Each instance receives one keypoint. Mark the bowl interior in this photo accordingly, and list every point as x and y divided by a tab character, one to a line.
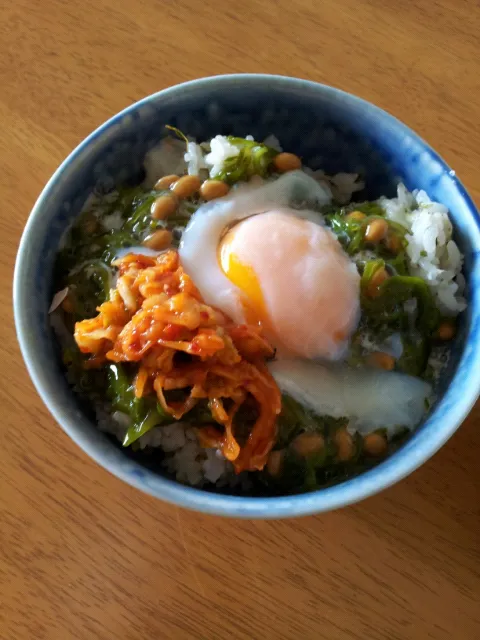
330	130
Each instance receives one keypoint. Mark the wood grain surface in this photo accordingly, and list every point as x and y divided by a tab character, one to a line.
84	556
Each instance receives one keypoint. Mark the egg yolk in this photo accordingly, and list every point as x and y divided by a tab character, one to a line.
244	277
295	280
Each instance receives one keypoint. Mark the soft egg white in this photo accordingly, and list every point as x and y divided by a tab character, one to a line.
369	398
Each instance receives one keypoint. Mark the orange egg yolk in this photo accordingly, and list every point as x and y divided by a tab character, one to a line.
244	277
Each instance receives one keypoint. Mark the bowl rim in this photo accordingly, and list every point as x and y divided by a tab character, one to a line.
368	483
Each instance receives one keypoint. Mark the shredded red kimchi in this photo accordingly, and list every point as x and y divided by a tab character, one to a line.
154	313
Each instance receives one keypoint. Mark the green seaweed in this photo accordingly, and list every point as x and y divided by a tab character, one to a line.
295	418
144	413
351	232
89	286
387	307
414	358
346	229
254	159
87	381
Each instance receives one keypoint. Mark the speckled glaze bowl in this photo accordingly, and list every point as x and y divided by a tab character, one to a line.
330	130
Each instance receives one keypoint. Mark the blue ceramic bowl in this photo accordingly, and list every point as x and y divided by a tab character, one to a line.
330	130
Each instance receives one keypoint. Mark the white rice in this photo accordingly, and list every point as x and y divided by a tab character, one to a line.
341	185
434	255
273	142
220	151
113	222
184	457
194	159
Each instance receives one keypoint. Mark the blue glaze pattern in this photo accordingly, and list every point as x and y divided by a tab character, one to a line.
331	130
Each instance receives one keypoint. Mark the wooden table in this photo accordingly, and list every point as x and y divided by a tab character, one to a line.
84	556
